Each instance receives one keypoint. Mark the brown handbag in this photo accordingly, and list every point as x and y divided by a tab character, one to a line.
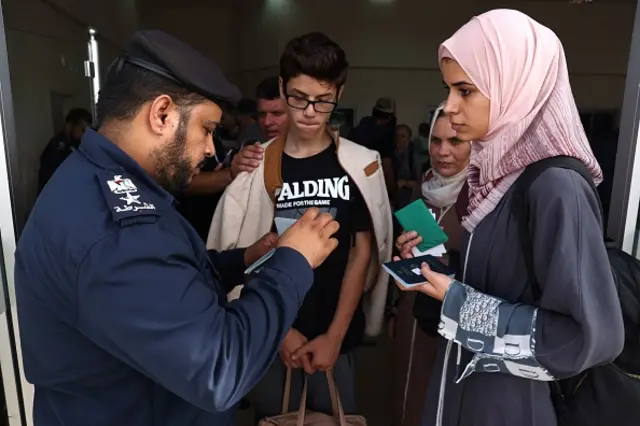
304	417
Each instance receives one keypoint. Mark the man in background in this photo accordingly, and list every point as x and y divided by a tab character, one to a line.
377	132
63	144
272	114
248	128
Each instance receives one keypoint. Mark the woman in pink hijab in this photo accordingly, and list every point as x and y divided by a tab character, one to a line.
509	92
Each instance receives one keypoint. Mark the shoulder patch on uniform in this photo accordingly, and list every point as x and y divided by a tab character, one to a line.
124	198
371	168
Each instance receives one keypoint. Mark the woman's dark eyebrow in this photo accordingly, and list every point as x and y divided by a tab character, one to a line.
457	83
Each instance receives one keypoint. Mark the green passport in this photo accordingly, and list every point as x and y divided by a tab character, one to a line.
417	217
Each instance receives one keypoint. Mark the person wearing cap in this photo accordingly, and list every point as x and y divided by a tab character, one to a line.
377	132
122	310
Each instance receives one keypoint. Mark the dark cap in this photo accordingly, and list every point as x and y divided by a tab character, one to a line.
163	54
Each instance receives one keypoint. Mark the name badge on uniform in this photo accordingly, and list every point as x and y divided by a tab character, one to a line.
124	198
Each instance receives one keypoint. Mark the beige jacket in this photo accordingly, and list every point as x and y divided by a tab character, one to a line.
246	212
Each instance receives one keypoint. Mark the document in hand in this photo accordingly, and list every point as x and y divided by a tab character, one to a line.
417	217
408	271
283	223
256	266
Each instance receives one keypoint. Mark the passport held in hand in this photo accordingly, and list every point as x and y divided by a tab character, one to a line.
417	217
408	271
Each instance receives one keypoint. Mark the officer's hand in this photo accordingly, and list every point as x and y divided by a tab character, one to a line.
247	160
259	249
311	236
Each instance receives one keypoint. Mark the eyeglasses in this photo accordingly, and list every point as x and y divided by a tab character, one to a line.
298	102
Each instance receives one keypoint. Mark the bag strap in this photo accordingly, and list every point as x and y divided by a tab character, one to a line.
303	404
336	405
522	207
287	392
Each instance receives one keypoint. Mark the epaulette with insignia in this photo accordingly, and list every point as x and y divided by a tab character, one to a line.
127	204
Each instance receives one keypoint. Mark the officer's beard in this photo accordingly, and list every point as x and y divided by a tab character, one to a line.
173	165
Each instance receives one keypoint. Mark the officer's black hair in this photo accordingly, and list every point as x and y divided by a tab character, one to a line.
317	56
125	91
268	89
79	115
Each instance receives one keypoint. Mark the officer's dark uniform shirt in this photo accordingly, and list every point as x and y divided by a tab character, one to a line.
123	313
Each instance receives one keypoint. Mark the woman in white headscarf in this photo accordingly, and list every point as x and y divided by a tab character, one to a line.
414	348
442	183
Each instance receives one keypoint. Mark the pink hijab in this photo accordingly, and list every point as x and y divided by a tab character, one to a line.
520	66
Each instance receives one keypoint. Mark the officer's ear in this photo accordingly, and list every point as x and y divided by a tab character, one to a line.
163	115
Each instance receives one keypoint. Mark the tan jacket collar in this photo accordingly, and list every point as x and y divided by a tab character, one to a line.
273	162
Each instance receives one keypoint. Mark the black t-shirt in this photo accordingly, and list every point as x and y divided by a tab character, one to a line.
320	181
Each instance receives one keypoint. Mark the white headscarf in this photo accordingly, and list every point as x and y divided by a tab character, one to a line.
439	191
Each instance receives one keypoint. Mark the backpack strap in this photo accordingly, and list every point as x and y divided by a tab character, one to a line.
521	207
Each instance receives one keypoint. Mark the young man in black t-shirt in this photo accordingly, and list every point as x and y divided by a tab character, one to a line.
331	322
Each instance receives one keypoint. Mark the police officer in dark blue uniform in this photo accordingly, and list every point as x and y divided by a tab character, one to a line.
122	310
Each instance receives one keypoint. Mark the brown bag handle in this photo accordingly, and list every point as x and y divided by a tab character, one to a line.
287	392
336	404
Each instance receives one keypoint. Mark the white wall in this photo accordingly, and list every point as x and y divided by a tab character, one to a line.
392	48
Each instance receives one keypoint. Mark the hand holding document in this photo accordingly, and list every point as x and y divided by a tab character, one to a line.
436	251
408	272
417	217
283	223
